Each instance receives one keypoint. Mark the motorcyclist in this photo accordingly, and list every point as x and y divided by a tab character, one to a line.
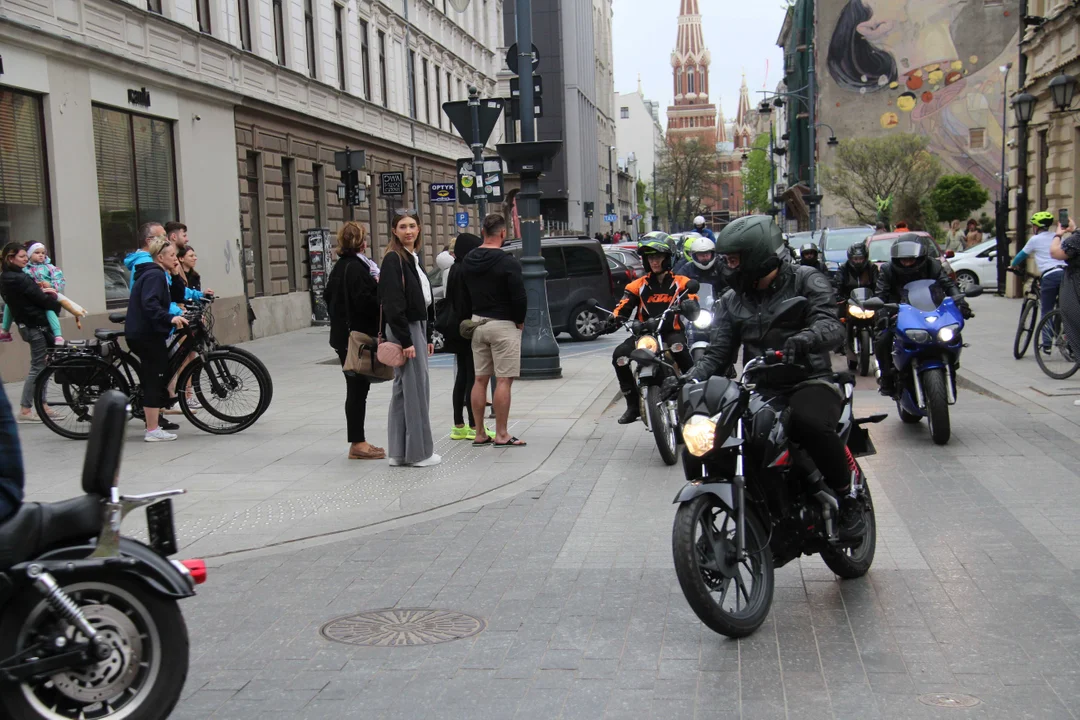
704	265
857	272
910	261
645	298
762	280
700	229
810	256
680	251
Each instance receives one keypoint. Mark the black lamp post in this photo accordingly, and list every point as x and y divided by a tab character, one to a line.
1024	107
1062	92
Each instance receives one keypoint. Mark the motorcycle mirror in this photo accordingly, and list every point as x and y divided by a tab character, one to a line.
644	357
591	303
873	303
973	291
690	308
105	446
692	287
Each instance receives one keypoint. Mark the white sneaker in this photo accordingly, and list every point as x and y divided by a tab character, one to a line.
31	417
429	462
398	462
159	435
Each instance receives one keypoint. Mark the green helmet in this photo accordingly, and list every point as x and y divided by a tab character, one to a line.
1042	219
655	243
758	242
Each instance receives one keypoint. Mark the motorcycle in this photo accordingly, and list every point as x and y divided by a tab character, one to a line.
859	322
699	328
754	500
926	353
659	415
89	622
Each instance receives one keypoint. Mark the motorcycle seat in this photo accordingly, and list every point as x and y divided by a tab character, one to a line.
106	334
36	527
118	317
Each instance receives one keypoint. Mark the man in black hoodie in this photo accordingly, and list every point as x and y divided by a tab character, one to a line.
497	297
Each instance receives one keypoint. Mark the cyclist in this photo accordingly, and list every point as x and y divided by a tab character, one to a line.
811	257
645	298
1051	271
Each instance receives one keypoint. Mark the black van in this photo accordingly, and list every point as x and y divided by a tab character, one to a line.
577	271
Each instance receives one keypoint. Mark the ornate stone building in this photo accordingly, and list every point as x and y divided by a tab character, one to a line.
692	115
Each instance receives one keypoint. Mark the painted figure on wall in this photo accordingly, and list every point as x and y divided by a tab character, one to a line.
934	64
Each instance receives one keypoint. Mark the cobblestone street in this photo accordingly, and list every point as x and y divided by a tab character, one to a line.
567	562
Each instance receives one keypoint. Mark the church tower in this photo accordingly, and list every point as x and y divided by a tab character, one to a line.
743	130
692	115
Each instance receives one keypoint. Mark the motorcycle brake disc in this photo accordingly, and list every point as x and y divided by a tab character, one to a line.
114	674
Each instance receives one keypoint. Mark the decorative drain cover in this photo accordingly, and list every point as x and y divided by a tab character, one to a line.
402	627
950	700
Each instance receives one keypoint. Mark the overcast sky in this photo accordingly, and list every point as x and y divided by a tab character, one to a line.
740	33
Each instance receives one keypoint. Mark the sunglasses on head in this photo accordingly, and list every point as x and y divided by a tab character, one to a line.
402	212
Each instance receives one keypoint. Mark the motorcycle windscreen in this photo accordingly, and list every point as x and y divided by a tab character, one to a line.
861	295
924	295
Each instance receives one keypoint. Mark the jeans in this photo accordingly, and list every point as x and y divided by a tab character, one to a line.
1051	284
39	341
623	349
815	412
356	393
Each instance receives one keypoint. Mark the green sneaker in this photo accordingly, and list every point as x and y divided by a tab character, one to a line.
462	433
472	433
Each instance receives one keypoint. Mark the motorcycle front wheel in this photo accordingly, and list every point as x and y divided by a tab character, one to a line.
664	432
732	597
937	405
140	680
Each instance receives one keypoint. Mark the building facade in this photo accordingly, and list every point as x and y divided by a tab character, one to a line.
225	116
639	134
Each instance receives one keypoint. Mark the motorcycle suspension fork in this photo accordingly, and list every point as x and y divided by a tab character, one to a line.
739	484
916	381
66	608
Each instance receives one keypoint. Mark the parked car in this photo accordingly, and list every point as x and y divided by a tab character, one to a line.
834	243
578	270
627	257
621	274
878	247
976	265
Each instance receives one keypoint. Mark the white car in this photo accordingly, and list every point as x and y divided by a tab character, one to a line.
976	265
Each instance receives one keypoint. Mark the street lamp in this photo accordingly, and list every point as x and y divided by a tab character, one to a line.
1002	205
1062	91
1024	107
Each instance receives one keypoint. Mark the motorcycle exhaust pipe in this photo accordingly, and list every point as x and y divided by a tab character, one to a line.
830	510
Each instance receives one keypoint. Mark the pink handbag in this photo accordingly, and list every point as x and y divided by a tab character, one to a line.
388	353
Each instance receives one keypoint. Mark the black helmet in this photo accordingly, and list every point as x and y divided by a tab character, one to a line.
857	255
809	249
758	243
909	257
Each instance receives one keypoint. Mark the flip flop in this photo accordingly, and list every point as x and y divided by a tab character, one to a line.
483	443
514	442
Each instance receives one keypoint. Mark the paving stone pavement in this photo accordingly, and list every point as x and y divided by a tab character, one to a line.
974	590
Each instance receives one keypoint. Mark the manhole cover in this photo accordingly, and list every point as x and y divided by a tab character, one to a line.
951	700
398	627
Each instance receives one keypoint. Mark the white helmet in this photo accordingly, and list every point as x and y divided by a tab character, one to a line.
699	245
699	221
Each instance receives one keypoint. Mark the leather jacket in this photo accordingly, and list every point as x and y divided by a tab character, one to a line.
715	276
847	280
890	284
743	319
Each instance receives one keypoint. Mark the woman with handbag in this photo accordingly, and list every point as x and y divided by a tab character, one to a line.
408	313
351	296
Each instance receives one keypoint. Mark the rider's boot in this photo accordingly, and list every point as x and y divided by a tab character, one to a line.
887	383
633	408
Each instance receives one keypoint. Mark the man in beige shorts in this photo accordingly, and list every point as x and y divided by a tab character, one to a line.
498	301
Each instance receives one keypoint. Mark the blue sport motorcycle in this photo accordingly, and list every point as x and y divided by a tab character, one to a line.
926	353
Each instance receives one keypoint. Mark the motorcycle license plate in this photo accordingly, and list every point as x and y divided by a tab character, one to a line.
162	530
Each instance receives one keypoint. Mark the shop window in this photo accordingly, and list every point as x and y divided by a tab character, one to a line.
136	184
24	195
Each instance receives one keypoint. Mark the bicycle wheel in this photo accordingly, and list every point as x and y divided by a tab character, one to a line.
261	367
65	393
230	389
1058	360
1029	316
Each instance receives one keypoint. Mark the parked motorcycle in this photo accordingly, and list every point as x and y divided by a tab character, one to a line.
754	499
659	415
859	322
926	353
89	622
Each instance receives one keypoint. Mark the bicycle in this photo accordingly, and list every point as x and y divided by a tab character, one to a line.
1029	315
1058	360
230	386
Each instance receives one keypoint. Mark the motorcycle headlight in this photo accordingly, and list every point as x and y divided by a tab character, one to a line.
916	335
647	342
857	312
699	434
947	334
704	320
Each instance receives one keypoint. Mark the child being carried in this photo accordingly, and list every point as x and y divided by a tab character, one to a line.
47	275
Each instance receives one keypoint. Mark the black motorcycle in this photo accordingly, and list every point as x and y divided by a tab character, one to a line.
859	322
655	363
89	622
755	501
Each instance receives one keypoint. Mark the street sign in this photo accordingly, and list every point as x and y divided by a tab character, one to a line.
461	118
462	219
515	86
493	181
512	59
392	184
611	218
637	216
538	107
349	160
443	192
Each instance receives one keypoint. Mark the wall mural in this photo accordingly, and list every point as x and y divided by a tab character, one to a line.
935	65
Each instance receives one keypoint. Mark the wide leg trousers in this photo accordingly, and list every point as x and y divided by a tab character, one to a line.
408	428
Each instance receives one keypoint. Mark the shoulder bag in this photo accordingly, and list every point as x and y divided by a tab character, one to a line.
389	353
362	355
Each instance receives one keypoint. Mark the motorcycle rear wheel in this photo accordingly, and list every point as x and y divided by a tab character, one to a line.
707	582
854	562
666	440
141	680
937	405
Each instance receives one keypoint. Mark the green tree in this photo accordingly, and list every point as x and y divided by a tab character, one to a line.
755	175
870	168
955	197
687	174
